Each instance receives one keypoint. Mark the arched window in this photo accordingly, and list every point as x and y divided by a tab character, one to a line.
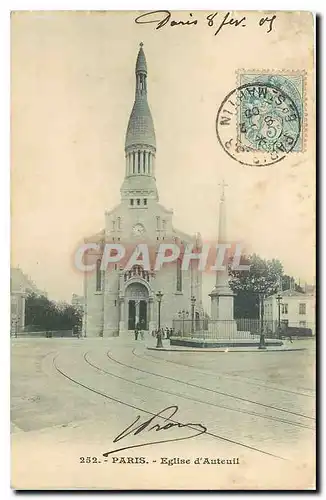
139	162
144	162
98	276
133	163
179	276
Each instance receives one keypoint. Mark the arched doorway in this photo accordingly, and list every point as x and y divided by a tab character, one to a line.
136	297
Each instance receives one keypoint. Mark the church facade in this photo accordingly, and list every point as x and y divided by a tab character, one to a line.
116	299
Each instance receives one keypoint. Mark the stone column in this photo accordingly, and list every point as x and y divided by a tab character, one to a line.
122	316
129	163
146	162
153	165
141	162
149	163
151	317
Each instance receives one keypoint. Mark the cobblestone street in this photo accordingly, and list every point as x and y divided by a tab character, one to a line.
72	398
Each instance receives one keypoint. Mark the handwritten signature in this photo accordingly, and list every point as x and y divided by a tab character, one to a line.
163	17
137	428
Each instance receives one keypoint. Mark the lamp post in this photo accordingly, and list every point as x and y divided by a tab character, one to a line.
159	343
193	302
159	297
262	333
279	298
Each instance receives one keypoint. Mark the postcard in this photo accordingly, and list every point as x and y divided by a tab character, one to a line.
163	296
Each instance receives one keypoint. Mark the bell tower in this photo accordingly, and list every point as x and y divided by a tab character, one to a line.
140	144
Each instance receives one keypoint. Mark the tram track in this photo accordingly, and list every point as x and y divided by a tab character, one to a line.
148	412
245	380
195	400
221	393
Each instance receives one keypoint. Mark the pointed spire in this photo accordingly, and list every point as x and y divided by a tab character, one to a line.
141	65
140	129
140	143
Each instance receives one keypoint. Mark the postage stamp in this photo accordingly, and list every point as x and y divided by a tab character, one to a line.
258	124
292	83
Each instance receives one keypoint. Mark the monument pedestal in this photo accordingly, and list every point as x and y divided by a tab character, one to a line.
222	324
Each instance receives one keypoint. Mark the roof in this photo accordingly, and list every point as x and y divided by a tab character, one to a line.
140	128
289	293
19	281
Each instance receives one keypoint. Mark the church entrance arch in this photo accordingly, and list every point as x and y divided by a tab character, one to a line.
136	297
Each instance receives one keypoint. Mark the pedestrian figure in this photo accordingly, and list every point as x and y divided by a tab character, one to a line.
141	334
136	334
166	332
171	333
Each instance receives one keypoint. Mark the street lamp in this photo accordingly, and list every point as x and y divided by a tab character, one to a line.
193	302
279	298
262	344
159	297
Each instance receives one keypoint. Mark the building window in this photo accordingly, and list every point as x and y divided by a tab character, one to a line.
158	223
144	162
119	222
164	224
302	308
179	276
98	276
138	201
131	202
113	225
133	163
145	201
284	308
139	162
302	324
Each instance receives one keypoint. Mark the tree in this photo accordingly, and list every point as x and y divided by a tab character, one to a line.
44	314
251	286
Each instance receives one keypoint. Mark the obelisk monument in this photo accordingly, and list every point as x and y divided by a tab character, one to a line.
222	322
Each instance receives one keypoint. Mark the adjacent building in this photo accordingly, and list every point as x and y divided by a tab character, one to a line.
297	309
20	286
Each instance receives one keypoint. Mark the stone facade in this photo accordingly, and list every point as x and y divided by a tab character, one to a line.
115	299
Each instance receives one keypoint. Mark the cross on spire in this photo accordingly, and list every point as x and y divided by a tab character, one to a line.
223	184
141	44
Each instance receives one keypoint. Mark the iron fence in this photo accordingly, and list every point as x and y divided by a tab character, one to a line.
240	328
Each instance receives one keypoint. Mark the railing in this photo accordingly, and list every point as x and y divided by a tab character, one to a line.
42	334
241	328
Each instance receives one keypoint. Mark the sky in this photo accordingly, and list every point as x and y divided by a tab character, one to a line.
72	92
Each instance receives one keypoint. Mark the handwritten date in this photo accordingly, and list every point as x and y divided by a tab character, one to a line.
217	20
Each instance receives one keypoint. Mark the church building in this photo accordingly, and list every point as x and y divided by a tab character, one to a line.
115	299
